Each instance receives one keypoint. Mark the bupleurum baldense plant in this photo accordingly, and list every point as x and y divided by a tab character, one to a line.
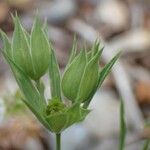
31	55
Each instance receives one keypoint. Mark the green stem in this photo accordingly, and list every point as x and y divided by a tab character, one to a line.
146	144
58	141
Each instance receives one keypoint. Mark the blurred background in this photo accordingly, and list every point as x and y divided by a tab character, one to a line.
119	24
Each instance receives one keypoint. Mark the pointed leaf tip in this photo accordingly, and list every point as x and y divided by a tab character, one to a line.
6	44
73	50
107	68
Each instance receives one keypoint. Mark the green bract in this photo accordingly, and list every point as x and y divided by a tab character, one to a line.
30	52
82	75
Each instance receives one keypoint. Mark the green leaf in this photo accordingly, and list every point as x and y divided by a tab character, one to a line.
73	75
7	45
40	50
103	74
96	47
73	114
76	114
73	51
54	76
122	127
57	122
45	28
39	116
27	36
147	123
106	70
89	78
20	49
41	88
146	145
32	96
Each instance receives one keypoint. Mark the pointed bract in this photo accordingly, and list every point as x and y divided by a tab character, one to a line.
89	79
107	68
64	118
73	51
54	75
82	75
40	50
7	45
20	49
73	75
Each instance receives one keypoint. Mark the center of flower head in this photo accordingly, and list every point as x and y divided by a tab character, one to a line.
55	106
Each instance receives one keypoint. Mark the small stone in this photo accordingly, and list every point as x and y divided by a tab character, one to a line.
3	11
142	91
113	13
104	119
21	4
58	11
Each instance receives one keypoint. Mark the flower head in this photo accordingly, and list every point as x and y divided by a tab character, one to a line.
82	75
31	53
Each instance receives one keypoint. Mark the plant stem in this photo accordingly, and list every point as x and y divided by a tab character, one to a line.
58	141
146	144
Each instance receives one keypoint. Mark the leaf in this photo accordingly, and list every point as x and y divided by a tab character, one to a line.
72	76
57	122
32	96
54	76
7	45
40	49
73	114
103	74
96	47
73	51
45	27
20	49
39	116
147	124
89	78
76	114
146	145
106	70
122	127
41	88
27	36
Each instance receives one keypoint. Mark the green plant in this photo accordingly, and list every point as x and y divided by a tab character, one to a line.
31	55
122	127
146	145
123	130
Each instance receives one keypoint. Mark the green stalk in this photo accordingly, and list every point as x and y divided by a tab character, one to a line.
58	141
146	144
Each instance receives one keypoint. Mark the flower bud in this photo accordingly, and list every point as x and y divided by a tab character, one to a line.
55	106
81	76
30	53
59	116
